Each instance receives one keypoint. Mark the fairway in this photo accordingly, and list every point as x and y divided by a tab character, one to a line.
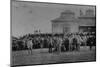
41	56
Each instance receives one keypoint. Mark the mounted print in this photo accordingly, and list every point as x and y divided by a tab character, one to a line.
52	33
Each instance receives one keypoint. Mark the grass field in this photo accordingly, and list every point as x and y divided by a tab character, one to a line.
41	56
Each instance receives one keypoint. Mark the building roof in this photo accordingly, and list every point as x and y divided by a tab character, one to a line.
65	20
86	17
68	16
65	16
67	12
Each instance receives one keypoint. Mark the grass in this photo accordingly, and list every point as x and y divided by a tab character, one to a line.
41	56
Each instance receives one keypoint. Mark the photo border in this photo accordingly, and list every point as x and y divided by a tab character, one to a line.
47	3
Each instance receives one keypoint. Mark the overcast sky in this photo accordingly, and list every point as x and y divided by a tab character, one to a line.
27	16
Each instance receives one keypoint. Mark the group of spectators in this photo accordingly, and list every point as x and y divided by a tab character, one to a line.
58	43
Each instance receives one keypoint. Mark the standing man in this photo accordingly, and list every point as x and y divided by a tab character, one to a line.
74	43
59	44
55	43
90	42
50	45
66	43
78	42
29	45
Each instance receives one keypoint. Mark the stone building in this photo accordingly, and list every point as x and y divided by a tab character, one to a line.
67	22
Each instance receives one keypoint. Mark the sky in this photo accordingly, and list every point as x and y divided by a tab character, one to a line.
29	16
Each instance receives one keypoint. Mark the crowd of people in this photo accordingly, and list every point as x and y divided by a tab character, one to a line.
55	43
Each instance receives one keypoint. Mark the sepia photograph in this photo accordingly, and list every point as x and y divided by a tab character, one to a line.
52	33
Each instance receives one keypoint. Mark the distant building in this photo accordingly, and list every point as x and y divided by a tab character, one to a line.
87	22
67	22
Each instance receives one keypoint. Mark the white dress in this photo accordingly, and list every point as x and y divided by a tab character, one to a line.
29	44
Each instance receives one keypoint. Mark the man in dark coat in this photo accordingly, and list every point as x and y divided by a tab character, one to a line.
50	43
90	42
66	44
74	44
